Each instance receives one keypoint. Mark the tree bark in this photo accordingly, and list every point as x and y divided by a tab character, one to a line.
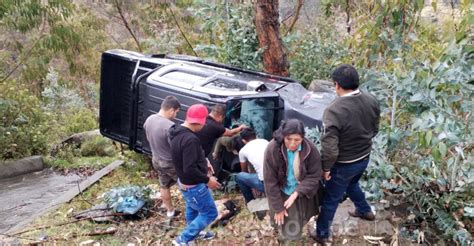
268	34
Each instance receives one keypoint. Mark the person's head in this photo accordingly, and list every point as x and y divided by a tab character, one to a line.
247	135
238	143
346	78
291	133
170	107
218	112
196	117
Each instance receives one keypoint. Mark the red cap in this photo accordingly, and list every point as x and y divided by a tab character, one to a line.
197	113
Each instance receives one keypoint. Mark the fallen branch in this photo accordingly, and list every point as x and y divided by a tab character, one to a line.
63	223
109	231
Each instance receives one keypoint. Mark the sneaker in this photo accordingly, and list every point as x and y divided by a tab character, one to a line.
367	216
205	235
178	242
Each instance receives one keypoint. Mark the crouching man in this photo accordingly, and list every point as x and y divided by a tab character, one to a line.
253	153
192	169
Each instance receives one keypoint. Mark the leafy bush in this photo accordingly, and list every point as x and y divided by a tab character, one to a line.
315	53
429	145
99	146
233	39
80	121
24	126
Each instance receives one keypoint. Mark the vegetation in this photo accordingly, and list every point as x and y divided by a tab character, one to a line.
421	72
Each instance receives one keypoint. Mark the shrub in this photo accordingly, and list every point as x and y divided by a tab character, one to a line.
23	128
99	146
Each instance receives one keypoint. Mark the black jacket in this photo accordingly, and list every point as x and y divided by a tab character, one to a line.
188	156
349	123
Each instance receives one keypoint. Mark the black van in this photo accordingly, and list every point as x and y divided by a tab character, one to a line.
133	85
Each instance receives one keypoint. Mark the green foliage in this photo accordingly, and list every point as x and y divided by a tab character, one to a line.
232	39
315	53
431	101
99	146
80	121
26	15
422	75
23	127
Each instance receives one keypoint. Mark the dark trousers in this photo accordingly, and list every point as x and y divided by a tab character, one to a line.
344	179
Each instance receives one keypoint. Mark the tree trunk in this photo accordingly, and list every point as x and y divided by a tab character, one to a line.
268	33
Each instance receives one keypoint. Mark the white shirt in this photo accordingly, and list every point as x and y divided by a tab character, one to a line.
253	153
352	93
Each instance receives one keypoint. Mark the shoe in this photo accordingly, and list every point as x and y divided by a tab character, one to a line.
261	214
205	235
319	240
367	216
178	242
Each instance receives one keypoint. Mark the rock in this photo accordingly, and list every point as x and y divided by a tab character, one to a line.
260	204
18	167
321	86
345	225
383	228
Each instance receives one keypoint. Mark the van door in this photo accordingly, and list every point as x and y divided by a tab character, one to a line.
263	112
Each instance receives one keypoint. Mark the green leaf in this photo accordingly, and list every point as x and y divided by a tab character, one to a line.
428	137
434	4
417	97
454	98
442	149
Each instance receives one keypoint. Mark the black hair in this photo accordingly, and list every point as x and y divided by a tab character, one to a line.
238	144
170	102
219	109
248	134
346	76
291	126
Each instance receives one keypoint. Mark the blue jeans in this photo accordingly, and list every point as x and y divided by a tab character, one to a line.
200	211
246	182
344	179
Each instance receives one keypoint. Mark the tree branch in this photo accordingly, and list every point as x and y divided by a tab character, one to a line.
127	26
25	57
297	15
181	30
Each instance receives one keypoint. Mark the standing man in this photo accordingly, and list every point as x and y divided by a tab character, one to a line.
192	169
350	123
253	153
156	127
215	129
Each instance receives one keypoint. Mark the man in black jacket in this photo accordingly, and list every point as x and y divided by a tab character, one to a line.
192	169
350	123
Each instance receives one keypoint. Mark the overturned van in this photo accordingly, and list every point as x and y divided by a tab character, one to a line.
133	85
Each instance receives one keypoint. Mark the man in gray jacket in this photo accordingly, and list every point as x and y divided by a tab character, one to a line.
156	127
349	123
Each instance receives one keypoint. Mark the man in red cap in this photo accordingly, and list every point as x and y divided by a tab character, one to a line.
192	169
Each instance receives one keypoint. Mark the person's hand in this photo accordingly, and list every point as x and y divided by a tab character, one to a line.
280	217
213	184
290	200
327	175
210	168
214	156
242	127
